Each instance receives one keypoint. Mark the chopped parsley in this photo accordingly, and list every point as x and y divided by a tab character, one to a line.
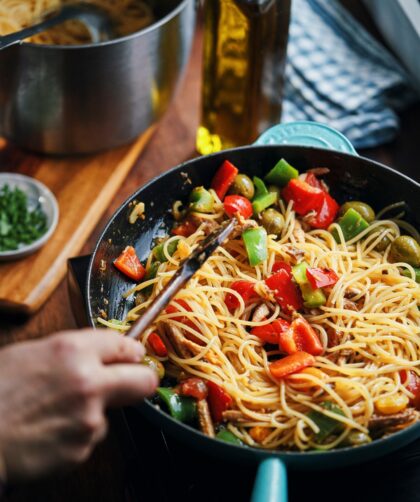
18	225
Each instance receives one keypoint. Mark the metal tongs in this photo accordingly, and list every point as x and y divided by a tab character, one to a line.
186	270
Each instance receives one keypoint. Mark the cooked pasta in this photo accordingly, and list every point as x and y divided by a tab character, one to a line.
128	16
368	327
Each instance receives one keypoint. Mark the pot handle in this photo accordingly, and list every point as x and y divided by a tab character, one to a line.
271	482
306	133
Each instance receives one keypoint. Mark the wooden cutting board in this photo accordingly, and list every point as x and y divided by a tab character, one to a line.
84	187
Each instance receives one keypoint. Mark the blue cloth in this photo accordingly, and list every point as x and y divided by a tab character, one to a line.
337	74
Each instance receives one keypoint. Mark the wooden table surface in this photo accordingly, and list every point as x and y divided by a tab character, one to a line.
101	478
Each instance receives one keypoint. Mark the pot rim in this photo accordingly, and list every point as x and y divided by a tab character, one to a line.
154	26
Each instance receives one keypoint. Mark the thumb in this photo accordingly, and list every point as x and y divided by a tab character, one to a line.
128	383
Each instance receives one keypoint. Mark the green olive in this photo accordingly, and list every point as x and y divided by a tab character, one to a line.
365	211
155	365
242	185
384	242
405	249
272	221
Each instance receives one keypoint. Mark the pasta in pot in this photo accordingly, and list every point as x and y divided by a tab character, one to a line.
368	329
128	16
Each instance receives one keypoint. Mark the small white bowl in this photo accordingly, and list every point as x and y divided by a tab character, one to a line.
37	193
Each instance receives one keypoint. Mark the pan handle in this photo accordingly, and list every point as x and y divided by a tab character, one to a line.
271	482
306	133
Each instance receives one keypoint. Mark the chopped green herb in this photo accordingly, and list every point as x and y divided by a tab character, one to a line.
18	225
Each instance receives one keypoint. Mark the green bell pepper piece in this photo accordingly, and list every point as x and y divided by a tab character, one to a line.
351	224
151	274
406	273
263	201
312	298
255	240
327	425
260	188
151	271
299	273
281	173
158	250
229	437
201	200
182	408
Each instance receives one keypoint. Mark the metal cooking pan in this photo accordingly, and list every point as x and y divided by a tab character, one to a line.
86	98
350	177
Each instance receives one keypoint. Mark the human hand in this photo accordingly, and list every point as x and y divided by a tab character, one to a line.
53	395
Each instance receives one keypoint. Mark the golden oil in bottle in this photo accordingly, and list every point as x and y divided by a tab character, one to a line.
245	45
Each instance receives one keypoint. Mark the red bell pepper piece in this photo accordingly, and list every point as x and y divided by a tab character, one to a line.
237	204
304	196
129	264
326	213
218	399
285	290
157	344
194	387
413	385
321	277
281	265
291	364
186	228
223	178
245	289
287	342
270	333
305	337
308	198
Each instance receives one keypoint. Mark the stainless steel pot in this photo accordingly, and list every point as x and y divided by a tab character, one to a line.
87	98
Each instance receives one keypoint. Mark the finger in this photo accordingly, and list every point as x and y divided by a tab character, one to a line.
125	384
100	433
115	348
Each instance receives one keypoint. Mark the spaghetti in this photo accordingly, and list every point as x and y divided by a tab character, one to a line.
128	16
368	327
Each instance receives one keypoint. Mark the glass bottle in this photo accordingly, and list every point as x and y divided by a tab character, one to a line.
245	44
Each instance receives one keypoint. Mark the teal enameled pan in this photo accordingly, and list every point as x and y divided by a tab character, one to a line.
304	145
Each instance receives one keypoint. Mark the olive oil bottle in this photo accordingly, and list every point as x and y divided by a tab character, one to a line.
245	45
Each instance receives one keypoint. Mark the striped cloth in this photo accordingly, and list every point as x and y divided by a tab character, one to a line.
337	74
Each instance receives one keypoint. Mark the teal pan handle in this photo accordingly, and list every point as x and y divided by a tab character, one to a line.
271	480
306	133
